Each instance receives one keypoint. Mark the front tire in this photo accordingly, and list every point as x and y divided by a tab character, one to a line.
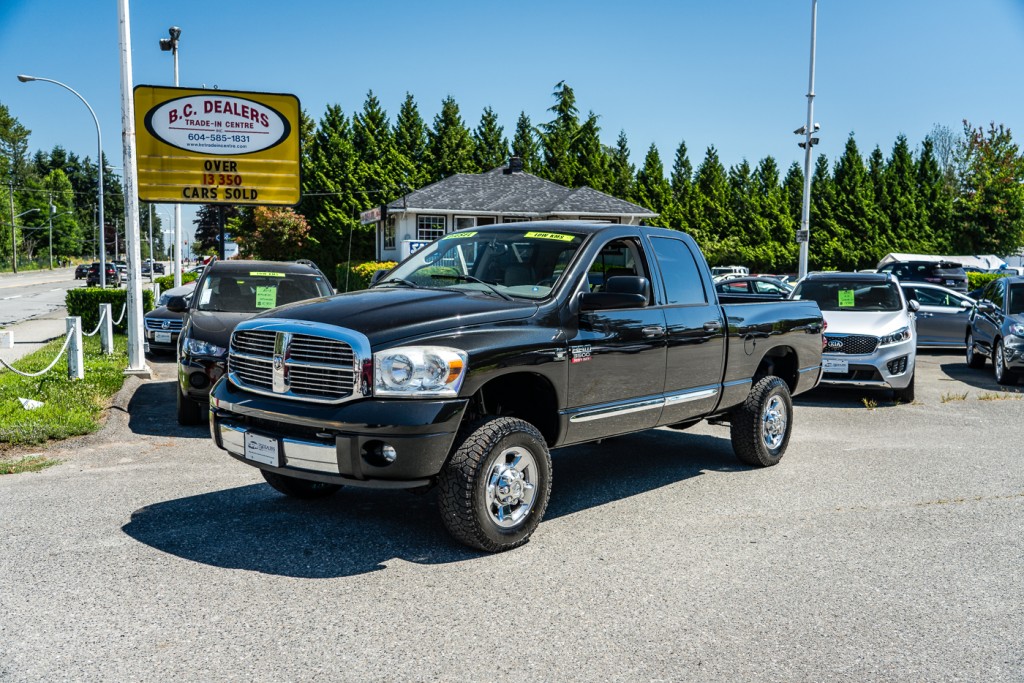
761	426
1003	375
303	489
495	488
974	359
190	413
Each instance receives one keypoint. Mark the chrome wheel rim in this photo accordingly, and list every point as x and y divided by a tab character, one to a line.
511	487
773	423
997	359
970	349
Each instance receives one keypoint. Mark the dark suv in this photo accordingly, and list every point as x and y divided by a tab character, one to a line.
996	329
945	273
228	293
113	278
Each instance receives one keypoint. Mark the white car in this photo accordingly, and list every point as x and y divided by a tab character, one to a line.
871	330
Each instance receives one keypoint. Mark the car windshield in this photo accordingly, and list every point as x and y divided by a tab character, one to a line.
1017	298
506	262
257	290
841	295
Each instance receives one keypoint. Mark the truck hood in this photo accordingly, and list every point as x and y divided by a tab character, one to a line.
874	323
388	314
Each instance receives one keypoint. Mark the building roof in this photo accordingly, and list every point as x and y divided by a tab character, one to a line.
513	193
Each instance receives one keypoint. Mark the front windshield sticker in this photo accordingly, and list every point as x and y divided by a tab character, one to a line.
260	273
550	236
459	235
266	297
845	298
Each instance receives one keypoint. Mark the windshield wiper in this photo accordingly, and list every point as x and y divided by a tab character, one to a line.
470	278
397	281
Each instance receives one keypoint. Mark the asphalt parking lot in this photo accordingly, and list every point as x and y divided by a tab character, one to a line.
887	546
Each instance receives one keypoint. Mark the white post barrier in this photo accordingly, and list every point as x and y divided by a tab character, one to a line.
156	292
76	364
106	329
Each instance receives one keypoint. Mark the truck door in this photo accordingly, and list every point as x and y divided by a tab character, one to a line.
616	357
695	353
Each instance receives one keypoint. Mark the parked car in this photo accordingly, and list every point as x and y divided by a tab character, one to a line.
81	271
468	361
122	270
741	271
944	273
113	277
996	329
162	325
227	293
942	317
870	337
757	288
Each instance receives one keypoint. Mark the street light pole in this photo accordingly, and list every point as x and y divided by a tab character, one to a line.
804	234
171	45
99	165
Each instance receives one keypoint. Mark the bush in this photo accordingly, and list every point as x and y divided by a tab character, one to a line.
85	302
167	281
359	273
975	280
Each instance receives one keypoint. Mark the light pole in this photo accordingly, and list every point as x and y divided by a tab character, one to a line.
171	45
14	234
803	235
99	165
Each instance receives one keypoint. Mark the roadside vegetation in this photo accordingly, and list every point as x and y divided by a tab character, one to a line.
30	463
70	407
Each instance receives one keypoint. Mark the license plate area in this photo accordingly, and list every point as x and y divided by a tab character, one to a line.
835	366
162	337
262	449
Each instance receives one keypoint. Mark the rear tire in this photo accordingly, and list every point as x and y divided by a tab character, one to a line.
905	395
761	426
974	359
303	489
190	413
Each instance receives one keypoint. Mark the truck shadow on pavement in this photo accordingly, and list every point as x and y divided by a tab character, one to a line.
358	531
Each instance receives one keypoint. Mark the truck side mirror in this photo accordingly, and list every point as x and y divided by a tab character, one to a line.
177	304
378	275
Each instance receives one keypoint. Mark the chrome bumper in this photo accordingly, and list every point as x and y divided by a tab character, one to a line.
295	453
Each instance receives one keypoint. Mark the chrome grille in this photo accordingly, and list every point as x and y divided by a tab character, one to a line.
851	344
157	324
293	364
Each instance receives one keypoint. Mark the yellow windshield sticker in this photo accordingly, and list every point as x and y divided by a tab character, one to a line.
262	273
845	298
266	297
460	235
550	236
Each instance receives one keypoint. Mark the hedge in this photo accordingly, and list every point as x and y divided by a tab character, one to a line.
359	273
975	280
85	302
167	281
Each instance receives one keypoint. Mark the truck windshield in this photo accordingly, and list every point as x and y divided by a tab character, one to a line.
507	262
839	295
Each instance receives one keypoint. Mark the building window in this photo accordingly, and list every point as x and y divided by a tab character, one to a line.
389	233
429	227
463	222
485	220
514	219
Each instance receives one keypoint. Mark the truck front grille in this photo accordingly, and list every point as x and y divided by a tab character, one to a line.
850	343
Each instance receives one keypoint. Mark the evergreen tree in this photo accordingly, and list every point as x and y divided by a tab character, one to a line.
557	137
490	146
525	145
592	162
207	231
793	189
411	143
13	145
990	212
935	199
682	176
855	209
830	244
67	235
907	230
380	169
451	145
741	241
622	181
773	226
652	189
708	213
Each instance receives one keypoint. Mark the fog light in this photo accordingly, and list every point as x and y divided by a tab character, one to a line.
388	452
379	454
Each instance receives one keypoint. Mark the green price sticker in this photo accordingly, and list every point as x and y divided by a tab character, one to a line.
266	297
845	298
459	235
550	236
262	273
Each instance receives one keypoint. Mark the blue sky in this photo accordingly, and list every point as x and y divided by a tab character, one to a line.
731	73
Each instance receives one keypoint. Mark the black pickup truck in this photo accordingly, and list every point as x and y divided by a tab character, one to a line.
469	361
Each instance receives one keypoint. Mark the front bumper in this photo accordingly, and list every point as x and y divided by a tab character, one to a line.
1013	353
196	374
888	367
340	444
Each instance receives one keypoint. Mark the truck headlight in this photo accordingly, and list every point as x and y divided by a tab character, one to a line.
900	335
419	372
198	347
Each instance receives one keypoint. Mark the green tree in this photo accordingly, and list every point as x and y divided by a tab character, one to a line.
622	174
592	162
411	143
903	216
525	144
990	212
855	209
652	189
13	145
380	169
936	198
557	138
708	215
773	225
490	146
830	246
67	234
271	233
207	231
451	145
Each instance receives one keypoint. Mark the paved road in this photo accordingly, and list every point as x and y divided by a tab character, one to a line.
35	293
887	546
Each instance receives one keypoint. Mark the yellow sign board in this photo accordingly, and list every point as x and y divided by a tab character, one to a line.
217	146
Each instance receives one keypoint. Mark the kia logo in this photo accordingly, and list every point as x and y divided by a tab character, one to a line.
835	343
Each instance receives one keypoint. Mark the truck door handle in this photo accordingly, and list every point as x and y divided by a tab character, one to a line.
654	331
712	326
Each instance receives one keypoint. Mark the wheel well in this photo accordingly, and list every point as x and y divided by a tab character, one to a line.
781	362
527	396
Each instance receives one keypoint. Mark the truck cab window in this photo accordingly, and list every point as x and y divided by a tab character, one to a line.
683	284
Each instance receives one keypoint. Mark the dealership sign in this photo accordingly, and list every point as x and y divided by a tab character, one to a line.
217	146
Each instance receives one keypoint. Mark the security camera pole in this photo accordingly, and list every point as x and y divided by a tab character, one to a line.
803	235
171	45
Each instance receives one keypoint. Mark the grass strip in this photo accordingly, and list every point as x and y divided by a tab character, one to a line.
30	463
70	407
